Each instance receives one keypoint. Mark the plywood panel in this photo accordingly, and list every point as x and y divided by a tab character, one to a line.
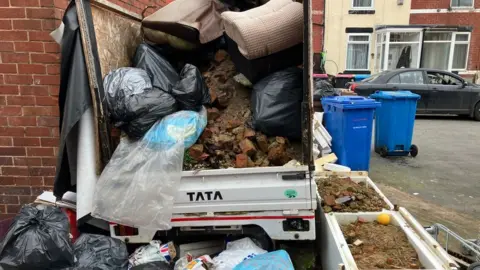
117	38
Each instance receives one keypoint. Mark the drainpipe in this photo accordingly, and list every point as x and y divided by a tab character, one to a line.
421	51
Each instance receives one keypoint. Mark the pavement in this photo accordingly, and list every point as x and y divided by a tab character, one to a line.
442	184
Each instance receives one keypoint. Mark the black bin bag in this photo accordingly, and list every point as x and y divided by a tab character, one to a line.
190	91
100	252
37	239
276	103
134	104
160	71
323	89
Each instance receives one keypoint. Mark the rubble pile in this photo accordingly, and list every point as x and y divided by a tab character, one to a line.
345	195
376	246
229	139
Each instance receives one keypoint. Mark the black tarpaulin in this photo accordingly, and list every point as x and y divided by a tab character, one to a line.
74	99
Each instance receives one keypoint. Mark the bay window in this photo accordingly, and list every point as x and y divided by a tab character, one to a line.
445	50
397	49
358	51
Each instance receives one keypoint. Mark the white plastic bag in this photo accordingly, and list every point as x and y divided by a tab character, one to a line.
138	185
236	252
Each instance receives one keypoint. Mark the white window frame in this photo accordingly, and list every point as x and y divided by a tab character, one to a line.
460	7
452	47
379	43
372	7
369	42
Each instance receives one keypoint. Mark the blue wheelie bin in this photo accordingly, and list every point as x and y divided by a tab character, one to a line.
349	120
394	122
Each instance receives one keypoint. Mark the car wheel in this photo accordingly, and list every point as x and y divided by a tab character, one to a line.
413	150
476	112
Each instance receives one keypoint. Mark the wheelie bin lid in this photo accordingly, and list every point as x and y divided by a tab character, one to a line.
395	95
350	102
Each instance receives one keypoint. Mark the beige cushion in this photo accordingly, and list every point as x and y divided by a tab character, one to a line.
270	28
196	21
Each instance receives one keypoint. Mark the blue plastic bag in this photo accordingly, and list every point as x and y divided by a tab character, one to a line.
182	125
276	260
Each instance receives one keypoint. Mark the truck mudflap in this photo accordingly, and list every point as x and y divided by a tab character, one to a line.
278	225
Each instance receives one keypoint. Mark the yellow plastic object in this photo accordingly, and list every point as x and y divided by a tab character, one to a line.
383	219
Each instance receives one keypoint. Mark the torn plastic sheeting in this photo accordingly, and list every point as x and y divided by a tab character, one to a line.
276	260
153	252
190	91
138	185
236	252
134	103
37	239
100	252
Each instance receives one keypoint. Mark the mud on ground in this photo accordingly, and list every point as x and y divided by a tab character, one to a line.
382	247
344	195
229	139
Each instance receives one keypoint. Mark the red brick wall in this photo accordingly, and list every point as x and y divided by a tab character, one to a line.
452	18
29	80
317	20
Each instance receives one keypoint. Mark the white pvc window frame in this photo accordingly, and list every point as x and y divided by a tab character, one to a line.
460	7
369	42
452	47
371	7
386	33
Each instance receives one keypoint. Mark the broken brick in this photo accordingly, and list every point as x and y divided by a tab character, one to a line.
262	142
277	155
196	152
241	161
250	163
249	133
329	200
234	123
220	56
280	140
213	114
248	147
206	134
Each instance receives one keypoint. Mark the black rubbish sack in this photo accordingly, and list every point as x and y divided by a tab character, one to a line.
191	92
159	265
276	103
323	89
134	104
161	72
100	252
37	239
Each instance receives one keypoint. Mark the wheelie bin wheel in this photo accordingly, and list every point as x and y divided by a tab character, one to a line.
413	150
383	151
474	266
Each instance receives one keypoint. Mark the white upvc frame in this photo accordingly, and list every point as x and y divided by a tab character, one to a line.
460	7
372	7
359	42
452	47
387	42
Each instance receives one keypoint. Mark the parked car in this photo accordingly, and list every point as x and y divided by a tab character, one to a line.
441	92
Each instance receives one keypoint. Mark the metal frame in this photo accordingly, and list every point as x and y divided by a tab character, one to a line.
369	42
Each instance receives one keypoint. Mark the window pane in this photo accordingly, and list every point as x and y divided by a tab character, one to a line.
395	79
438	36
358	38
403	56
404	37
435	55
362	3
411	77
460	56
462	3
382	64
442	78
357	56
461	37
